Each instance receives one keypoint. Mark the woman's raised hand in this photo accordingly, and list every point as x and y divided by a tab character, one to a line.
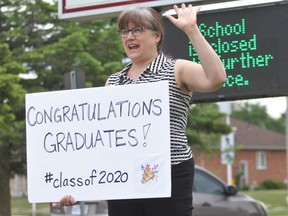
187	17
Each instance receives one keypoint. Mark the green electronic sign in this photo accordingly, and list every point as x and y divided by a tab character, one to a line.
252	44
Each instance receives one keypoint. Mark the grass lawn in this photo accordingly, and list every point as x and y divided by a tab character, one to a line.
21	207
274	199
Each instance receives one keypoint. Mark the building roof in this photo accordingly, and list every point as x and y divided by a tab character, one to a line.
252	137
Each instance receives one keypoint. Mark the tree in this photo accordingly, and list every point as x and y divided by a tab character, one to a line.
205	127
50	47
11	138
257	114
35	42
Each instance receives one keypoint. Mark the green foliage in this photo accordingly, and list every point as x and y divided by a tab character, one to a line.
257	115
272	185
50	47
12	94
205	127
11	133
34	41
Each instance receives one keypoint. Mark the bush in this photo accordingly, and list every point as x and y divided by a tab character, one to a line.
245	188
272	184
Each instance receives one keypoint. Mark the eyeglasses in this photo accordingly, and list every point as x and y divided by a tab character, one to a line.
135	31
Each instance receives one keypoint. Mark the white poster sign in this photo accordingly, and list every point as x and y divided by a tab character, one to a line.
99	143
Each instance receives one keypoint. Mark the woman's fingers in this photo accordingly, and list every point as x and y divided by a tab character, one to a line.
67	200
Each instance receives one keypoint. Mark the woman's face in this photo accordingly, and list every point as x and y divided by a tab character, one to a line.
142	47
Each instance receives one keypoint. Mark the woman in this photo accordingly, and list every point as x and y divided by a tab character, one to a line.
142	33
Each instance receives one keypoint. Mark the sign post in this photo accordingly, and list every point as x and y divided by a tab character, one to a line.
227	143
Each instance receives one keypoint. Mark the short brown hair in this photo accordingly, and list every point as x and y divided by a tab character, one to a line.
145	17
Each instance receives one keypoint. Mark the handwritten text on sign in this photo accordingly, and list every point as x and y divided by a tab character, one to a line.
99	143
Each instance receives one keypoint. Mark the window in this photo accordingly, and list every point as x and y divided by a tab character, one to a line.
261	162
204	183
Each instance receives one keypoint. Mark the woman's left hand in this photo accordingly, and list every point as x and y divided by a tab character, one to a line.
187	17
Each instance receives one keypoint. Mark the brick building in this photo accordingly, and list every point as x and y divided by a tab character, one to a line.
260	155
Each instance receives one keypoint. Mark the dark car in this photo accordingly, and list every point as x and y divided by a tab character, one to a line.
211	197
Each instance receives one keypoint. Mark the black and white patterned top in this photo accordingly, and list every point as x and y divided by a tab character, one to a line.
161	69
